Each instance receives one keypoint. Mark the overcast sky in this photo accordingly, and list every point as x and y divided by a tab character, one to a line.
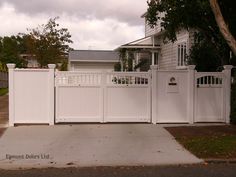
94	24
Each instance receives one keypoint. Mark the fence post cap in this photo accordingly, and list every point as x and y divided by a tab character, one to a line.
228	67
153	67
51	66
11	65
191	67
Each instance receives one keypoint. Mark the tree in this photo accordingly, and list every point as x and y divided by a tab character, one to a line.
10	51
222	25
198	15
48	43
201	50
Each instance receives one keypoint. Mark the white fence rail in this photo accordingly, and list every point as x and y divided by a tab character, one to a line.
179	96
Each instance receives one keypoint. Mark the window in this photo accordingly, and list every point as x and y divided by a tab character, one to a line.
182	54
156	58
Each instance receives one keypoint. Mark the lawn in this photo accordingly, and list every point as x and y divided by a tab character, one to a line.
3	91
207	141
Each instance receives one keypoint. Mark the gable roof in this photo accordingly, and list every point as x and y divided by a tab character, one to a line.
94	55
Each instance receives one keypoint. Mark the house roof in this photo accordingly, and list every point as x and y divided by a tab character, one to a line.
94	55
143	43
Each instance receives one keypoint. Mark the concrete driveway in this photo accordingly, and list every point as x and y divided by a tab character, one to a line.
91	145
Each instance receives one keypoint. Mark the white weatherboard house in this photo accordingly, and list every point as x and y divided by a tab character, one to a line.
166	54
92	60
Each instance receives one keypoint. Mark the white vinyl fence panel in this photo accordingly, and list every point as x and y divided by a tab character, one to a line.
31	96
209	97
127	97
103	97
79	97
172	97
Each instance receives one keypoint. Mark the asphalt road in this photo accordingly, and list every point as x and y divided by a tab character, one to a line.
213	170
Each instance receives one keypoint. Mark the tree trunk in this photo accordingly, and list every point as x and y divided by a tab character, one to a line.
222	25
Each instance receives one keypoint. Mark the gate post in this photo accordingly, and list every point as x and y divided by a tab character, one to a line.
51	88
11	68
154	94
191	93
227	91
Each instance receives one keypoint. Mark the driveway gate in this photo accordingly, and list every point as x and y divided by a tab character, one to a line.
103	97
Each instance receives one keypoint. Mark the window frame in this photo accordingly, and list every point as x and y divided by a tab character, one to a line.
182	46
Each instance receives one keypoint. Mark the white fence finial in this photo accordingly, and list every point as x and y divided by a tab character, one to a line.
51	66
11	66
228	67
191	67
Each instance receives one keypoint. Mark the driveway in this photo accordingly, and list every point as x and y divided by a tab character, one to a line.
91	145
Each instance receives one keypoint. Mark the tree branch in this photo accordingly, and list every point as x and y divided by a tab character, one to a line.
222	25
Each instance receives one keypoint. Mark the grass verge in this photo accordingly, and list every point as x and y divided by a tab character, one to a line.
3	91
207	142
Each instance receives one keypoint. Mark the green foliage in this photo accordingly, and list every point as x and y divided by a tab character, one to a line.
49	43
117	67
64	65
143	65
205	56
3	67
10	51
127	57
3	91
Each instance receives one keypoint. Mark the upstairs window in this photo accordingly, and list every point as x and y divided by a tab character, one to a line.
182	54
156	58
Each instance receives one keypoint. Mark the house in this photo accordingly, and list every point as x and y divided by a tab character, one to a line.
31	60
157	51
92	60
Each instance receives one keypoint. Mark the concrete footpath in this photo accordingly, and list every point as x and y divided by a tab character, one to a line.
90	145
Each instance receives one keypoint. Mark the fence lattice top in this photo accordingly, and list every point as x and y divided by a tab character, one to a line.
209	79
97	78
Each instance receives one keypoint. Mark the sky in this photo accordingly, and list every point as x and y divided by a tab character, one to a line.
93	24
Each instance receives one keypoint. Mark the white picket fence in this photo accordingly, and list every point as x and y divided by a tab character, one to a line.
157	96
